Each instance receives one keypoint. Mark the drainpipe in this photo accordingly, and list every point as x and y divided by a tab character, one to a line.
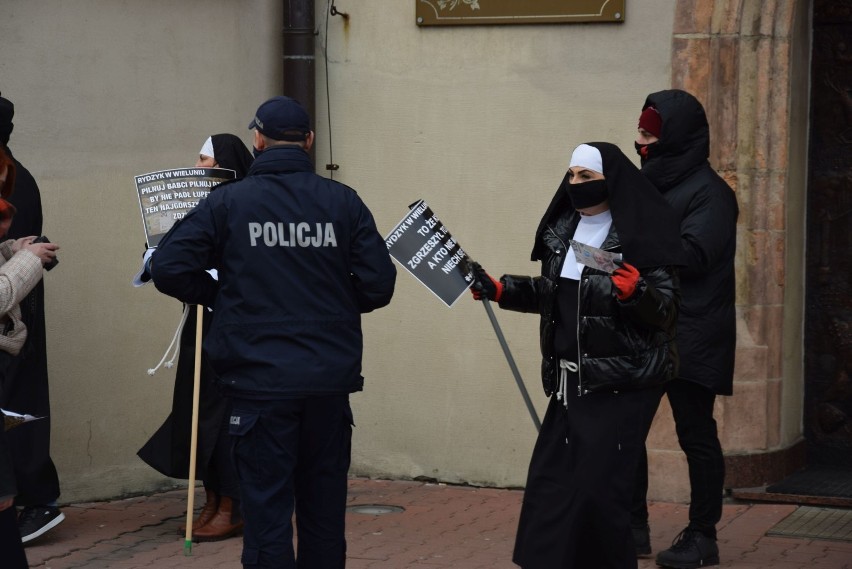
298	57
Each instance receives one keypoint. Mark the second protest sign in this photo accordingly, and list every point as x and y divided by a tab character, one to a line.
425	248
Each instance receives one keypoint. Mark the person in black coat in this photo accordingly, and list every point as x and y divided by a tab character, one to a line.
607	342
11	546
28	389
168	450
674	144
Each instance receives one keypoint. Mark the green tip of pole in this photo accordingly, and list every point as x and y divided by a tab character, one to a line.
187	547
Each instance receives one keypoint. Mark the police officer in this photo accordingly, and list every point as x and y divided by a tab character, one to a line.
299	259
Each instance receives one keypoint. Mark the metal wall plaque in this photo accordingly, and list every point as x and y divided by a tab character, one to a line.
471	12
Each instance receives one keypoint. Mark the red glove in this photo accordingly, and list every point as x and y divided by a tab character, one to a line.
484	285
625	278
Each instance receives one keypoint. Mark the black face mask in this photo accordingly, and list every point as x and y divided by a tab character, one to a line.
255	152
587	194
645	150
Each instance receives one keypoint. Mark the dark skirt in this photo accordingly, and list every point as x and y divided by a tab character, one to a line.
576	506
167	451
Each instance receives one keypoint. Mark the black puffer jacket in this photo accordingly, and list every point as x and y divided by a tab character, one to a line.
707	208
622	345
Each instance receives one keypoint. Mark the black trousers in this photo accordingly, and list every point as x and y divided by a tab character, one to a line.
11	548
293	455
576	506
692	409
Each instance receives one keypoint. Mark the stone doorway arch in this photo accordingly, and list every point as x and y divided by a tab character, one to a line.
748	63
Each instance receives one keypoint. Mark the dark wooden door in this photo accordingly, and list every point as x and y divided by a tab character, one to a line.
828	313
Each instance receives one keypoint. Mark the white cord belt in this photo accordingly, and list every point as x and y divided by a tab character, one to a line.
174	345
564	367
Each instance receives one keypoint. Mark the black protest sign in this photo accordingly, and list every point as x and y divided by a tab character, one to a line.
166	196
425	248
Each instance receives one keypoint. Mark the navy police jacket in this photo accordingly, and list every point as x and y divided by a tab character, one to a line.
299	259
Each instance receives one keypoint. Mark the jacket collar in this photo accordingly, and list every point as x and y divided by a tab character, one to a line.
282	159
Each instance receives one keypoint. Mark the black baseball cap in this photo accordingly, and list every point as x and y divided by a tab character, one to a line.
282	118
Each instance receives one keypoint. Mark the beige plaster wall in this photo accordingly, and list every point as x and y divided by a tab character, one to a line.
478	121
105	90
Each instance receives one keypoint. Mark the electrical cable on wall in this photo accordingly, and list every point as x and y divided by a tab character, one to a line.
331	11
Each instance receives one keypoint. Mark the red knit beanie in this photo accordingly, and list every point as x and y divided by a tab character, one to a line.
651	121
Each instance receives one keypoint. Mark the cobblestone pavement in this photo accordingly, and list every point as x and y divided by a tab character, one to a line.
441	526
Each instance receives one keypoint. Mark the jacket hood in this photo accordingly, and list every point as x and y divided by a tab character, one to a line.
684	144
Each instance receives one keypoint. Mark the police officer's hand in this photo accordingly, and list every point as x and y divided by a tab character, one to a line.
625	279
484	285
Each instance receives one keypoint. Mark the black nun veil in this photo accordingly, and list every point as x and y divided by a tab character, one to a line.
230	152
648	228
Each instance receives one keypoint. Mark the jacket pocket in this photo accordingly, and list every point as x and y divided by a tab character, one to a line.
241	423
244	450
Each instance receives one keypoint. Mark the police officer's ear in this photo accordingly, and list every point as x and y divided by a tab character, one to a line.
309	141
259	141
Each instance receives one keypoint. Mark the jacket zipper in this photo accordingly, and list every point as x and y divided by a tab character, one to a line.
579	353
579	287
579	284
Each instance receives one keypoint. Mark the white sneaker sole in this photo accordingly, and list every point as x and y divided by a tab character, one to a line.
45	528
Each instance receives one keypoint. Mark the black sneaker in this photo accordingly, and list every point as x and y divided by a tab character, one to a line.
689	550
642	540
35	521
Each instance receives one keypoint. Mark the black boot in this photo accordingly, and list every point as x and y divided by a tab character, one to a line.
690	549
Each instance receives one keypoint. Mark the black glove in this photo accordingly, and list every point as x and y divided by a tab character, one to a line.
484	285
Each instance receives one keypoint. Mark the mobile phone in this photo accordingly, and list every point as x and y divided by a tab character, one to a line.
55	261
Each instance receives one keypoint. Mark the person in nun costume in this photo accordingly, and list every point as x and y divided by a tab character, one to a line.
167	451
608	346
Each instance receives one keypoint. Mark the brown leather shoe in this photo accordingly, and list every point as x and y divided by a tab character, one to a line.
206	514
223	525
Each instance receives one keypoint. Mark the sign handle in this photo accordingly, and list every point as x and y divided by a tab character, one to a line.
511	360
193	441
